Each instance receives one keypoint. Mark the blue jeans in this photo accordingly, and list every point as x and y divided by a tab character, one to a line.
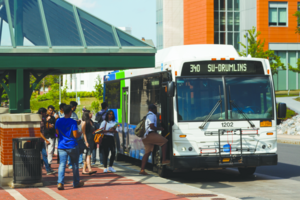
44	154
80	160
74	156
94	155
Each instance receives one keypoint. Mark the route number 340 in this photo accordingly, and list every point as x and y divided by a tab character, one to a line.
195	68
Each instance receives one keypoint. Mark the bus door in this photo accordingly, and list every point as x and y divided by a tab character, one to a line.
125	138
165	118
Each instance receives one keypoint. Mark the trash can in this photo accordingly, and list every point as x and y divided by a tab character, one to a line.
27	160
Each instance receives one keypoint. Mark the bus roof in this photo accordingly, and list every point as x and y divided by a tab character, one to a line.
186	52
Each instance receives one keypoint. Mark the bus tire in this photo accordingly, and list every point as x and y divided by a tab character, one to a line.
248	171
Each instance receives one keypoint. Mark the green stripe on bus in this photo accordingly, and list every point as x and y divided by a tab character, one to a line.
120	75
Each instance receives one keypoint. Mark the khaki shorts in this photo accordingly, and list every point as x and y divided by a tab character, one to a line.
153	139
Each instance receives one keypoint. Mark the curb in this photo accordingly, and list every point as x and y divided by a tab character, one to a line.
287	141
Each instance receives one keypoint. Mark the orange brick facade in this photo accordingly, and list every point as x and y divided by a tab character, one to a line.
6	136
277	34
198	22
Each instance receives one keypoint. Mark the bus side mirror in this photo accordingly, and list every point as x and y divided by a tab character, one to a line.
281	110
171	89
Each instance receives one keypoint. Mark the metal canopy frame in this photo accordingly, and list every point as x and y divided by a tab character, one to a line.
18	62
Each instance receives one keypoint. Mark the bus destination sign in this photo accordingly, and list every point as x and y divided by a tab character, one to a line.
224	67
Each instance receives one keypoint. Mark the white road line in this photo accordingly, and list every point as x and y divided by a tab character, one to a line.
14	193
53	194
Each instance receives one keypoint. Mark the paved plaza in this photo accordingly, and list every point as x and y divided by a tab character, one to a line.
125	184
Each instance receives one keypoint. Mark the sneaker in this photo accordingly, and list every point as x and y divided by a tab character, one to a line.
51	172
80	184
105	170
70	167
60	186
80	166
112	169
93	164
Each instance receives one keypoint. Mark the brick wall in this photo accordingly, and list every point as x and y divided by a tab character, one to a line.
6	136
198	22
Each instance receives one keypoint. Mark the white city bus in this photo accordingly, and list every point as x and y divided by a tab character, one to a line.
218	109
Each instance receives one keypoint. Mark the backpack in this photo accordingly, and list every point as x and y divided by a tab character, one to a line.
140	127
99	118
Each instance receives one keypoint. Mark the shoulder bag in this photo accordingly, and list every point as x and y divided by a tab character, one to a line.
99	136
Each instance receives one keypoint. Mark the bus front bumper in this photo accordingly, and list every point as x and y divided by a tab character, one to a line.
191	162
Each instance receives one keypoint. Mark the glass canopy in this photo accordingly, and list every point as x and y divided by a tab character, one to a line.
50	23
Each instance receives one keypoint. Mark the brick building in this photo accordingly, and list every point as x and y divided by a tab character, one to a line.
184	22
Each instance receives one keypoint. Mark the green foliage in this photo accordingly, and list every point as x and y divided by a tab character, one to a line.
65	95
256	50
95	106
290	114
297	14
297	31
48	80
54	95
98	88
80	94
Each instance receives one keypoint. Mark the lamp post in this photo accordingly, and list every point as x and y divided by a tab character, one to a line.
59	89
247	44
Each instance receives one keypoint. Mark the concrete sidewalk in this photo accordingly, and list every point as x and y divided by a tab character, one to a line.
290	103
125	184
288	139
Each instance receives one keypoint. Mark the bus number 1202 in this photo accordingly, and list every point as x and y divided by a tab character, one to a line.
195	68
227	124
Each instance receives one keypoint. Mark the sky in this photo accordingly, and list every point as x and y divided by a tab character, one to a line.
140	15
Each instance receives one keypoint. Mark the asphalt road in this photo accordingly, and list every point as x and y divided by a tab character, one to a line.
269	182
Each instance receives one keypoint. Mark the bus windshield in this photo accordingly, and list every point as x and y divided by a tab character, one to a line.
196	98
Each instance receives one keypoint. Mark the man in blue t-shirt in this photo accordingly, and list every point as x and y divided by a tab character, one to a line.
66	129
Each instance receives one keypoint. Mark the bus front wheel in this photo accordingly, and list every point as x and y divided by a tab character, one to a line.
248	171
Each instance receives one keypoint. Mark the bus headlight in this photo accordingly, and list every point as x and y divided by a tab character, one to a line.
269	146
183	149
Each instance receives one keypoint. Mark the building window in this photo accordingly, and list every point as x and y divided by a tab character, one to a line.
159	24
278	13
82	82
227	22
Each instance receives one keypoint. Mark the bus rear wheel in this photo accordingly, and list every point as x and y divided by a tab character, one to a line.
248	171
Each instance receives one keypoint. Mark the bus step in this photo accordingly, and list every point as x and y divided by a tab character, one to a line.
230	164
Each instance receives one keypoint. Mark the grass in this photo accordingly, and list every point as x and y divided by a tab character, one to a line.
289	114
35	104
287	94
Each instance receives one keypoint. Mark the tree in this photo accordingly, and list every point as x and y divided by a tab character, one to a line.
256	50
48	81
95	106
297	14
98	88
54	94
297	31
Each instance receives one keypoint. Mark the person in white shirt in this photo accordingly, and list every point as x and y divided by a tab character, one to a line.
152	138
109	126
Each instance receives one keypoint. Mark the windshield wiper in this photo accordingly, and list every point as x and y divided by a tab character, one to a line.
212	111
239	110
